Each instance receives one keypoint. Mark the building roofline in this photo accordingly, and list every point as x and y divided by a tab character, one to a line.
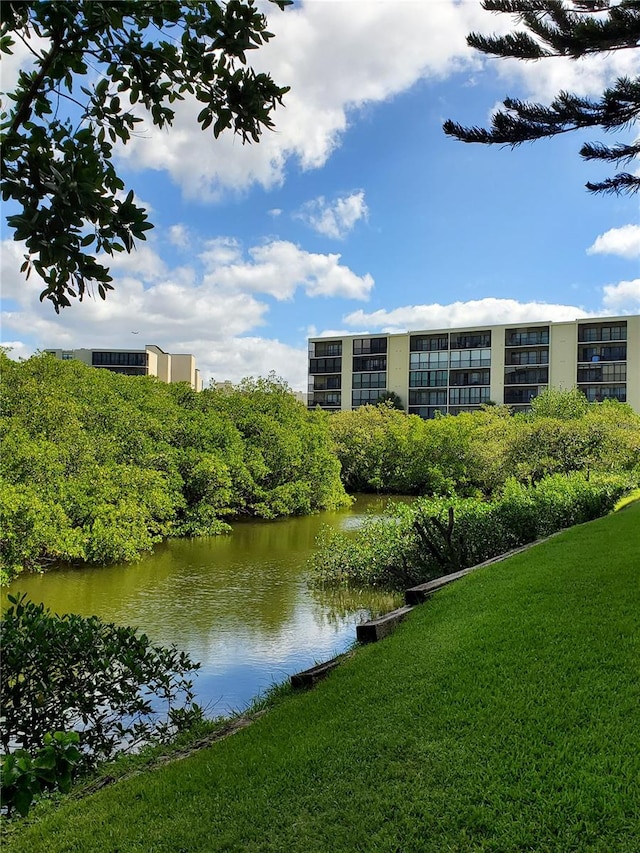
475	327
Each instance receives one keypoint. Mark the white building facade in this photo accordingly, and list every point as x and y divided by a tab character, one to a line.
459	370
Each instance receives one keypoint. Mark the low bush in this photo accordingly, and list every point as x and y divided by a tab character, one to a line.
24	778
382	553
416	542
70	673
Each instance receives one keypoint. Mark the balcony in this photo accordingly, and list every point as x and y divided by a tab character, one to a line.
602	352
526	337
325	365
601	332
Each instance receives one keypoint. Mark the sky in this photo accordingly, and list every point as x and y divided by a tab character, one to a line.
356	214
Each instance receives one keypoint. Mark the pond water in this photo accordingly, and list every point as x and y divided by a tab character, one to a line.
240	604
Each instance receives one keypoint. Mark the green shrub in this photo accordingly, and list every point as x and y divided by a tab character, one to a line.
108	683
436	536
515	513
202	519
382	553
33	530
24	778
458	532
562	501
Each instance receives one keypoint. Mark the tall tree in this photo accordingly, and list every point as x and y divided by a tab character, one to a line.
571	28
57	130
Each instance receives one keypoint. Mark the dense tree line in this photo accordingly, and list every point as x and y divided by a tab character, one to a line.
384	450
97	467
434	536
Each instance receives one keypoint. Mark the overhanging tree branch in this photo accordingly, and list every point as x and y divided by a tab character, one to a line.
570	29
59	172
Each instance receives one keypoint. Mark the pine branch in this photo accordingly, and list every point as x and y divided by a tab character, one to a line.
573	28
621	103
615	154
565	29
518	45
621	184
519	7
522	121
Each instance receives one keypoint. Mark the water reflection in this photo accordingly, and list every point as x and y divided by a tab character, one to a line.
239	604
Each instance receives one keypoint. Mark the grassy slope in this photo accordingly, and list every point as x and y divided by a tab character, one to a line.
503	715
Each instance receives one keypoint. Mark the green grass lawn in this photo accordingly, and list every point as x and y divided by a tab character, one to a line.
503	715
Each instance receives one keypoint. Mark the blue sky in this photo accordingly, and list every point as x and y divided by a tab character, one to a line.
357	214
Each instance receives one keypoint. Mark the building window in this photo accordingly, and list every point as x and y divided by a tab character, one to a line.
322	349
370	380
326	399
325	365
427	378
126	371
468	396
457	410
602	352
369	346
428	360
471	340
427	412
533	356
597	393
526	375
364	397
119	359
527	336
67	356
329	382
426	343
428	398
470	377
588	332
603	373
369	363
522	396
470	358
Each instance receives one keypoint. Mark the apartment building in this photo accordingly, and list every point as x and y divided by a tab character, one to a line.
150	361
459	370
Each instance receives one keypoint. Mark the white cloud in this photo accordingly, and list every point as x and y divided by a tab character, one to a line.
251	356
279	268
622	298
586	76
624	241
13	281
179	236
337	58
21	58
211	308
221	252
312	332
336	333
143	261
489	311
334	219
17	349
